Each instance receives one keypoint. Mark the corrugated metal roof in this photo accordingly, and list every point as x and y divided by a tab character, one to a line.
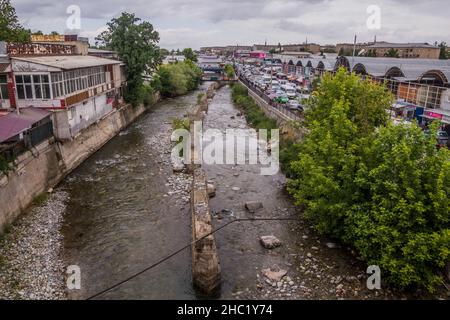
411	68
13	124
69	62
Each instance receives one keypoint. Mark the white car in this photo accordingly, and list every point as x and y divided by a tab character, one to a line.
291	92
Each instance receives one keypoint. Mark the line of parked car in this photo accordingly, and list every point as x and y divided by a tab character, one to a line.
275	85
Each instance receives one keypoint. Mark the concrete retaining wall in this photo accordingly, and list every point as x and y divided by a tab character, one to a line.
206	274
268	110
46	165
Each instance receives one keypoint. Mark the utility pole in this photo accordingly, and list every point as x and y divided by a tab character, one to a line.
354	50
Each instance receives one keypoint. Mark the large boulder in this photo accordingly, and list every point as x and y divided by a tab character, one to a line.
253	206
270	242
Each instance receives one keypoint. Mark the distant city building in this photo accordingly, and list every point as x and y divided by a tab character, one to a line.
173	59
384	49
212	67
265	47
405	50
306	47
261	55
347	48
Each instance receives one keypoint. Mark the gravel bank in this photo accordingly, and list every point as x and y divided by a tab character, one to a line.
31	262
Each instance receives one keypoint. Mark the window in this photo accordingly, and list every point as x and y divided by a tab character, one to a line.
82	79
3	87
35	86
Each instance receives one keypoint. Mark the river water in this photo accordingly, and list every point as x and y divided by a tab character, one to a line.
124	210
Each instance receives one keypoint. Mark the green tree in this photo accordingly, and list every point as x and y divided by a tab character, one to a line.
400	220
380	188
136	43
54	33
443	54
229	71
10	28
392	53
177	79
189	54
164	52
38	33
371	53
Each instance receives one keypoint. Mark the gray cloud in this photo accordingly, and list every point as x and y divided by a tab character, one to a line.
203	22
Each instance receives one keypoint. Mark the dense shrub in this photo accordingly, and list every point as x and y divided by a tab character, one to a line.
148	95
5	165
177	79
380	188
229	71
253	113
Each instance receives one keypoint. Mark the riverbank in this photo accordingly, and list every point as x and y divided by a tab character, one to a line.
33	260
315	267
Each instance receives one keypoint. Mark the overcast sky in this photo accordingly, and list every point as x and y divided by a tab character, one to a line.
196	23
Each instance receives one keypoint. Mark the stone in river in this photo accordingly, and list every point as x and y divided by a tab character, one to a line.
274	273
253	206
270	242
236	189
211	190
331	245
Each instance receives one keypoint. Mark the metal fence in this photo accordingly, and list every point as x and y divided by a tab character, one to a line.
31	138
277	106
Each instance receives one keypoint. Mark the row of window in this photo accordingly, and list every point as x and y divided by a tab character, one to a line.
3	87
35	87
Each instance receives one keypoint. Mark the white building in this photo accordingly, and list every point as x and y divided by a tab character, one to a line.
79	89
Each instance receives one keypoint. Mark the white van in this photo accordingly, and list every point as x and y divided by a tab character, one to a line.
275	85
267	79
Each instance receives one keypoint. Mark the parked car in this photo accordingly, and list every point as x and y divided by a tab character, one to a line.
281	97
290	91
294	105
442	138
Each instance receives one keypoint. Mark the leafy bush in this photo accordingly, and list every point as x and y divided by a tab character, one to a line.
149	95
5	165
200	97
253	113
229	71
183	123
178	78
380	188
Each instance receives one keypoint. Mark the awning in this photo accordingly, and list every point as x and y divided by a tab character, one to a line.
429	117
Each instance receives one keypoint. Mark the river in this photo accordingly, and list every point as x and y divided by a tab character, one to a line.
124	210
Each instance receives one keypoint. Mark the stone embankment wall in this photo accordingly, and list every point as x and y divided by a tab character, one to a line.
47	164
206	272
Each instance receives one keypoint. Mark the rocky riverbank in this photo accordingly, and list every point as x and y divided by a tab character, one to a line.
31	262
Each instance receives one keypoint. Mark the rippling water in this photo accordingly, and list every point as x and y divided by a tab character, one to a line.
123	214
